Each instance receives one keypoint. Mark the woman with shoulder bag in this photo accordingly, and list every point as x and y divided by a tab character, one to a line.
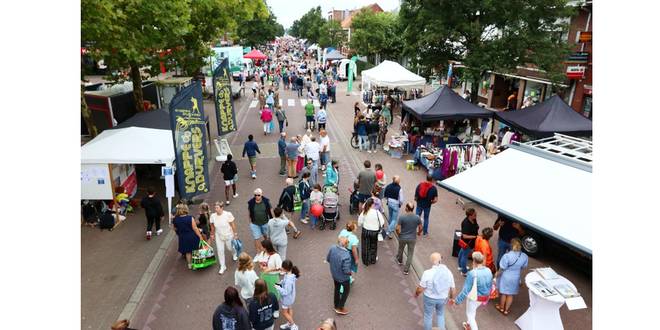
476	289
508	276
372	222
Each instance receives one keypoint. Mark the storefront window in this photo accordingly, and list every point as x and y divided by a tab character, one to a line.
533	91
586	106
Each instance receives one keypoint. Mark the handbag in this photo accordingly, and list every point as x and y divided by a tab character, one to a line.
380	232
237	245
235	178
204	256
494	293
462	244
472	295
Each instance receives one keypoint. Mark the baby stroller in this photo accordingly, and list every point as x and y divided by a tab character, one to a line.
330	207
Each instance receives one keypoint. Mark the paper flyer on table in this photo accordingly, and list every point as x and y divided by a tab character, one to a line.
575	303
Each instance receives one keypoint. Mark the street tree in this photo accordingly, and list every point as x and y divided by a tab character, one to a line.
332	34
486	35
129	34
309	25
259	30
376	34
209	20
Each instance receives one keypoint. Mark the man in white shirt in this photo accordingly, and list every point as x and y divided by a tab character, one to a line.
224	230
312	151
325	149
438	286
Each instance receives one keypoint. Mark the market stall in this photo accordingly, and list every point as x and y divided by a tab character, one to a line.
440	120
107	161
256	56
546	118
391	75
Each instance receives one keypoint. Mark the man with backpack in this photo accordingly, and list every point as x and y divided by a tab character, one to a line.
321	118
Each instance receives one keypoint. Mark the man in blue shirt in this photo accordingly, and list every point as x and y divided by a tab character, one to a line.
339	259
292	157
251	149
281	150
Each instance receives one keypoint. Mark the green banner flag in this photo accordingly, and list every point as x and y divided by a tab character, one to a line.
352	66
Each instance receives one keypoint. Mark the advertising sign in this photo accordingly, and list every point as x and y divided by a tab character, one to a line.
189	132
575	72
224	104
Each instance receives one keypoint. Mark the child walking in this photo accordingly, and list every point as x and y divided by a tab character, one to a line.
287	289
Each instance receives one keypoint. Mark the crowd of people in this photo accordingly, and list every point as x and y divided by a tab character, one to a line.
265	284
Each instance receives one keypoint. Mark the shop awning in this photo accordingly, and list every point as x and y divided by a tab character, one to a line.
546	118
444	104
546	192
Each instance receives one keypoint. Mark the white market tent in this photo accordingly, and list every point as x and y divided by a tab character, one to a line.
144	138
542	184
130	145
391	74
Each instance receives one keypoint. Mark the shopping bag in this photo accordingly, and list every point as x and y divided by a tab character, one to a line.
237	245
271	279
272	126
204	256
494	293
297	201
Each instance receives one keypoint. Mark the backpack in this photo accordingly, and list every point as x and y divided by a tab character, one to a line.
107	221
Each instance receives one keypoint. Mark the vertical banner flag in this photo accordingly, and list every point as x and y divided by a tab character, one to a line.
449	73
224	104
189	131
350	73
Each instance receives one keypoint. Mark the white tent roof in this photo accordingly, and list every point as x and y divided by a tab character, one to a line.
131	145
546	193
391	74
313	47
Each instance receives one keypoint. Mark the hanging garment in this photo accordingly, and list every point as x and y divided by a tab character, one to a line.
453	163
445	163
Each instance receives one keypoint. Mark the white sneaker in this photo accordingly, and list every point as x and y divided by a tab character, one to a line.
159	231
234	257
235	195
304	221
369	151
285	326
294	327
227	202
222	270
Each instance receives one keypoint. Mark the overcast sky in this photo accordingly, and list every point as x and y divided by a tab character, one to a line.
288	11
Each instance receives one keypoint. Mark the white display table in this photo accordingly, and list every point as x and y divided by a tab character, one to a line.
543	312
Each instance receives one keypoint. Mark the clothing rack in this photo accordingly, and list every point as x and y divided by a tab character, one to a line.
461	144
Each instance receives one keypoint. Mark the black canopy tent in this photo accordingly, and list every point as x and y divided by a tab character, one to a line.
444	104
546	118
157	119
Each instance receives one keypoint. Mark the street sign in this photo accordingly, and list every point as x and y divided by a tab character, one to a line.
578	58
584	36
575	72
168	173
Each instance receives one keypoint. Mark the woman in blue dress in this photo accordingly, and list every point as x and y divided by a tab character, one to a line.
508	277
186	229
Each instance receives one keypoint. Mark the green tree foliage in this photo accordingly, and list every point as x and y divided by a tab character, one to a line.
259	30
332	34
209	19
486	35
128	34
131	35
309	25
376	33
